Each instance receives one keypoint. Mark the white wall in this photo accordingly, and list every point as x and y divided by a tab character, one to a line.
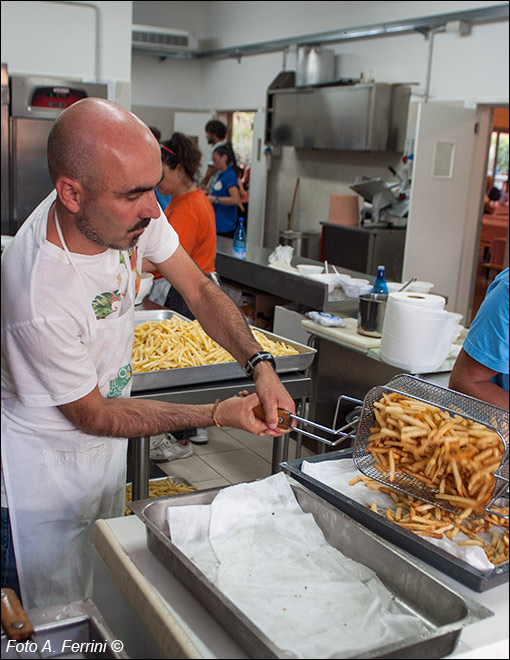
70	40
464	68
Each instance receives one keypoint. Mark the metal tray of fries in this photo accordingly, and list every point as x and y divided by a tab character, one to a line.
444	612
161	487
180	377
418	546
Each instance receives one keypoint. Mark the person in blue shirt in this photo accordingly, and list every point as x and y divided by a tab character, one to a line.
481	369
216	135
224	195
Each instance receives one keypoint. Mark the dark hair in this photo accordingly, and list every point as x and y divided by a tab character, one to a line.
216	127
185	153
226	150
156	132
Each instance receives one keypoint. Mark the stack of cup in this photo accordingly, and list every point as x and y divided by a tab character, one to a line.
417	332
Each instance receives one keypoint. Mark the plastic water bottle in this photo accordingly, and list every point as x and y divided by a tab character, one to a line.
239	250
380	285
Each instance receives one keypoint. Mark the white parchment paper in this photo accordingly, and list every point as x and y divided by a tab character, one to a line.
271	559
337	473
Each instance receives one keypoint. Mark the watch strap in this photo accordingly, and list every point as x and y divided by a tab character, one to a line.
255	359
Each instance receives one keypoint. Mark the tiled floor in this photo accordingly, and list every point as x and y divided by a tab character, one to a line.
230	456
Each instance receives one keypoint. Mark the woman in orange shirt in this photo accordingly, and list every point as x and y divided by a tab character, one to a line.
190	213
192	216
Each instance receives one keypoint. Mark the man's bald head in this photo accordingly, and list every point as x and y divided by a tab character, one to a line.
87	133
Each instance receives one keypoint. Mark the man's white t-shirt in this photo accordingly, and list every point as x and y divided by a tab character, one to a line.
49	311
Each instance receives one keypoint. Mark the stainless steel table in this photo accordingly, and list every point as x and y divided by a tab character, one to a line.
254	272
298	384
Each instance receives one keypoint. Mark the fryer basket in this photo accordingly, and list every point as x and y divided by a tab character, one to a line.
450	401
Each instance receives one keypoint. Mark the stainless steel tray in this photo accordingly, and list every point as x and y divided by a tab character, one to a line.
156	380
413	588
58	627
455	568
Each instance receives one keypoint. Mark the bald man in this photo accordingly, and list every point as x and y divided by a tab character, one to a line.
69	280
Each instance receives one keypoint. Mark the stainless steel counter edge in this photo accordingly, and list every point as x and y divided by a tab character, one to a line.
254	272
126	538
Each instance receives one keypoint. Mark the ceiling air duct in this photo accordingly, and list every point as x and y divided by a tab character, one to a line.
162	41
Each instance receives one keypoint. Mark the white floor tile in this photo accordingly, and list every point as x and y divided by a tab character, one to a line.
238	465
218	442
192	469
262	446
243	437
211	483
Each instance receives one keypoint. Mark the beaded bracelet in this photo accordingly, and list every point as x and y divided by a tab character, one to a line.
214	412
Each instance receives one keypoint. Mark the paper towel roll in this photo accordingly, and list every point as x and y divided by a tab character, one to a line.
429	300
417	332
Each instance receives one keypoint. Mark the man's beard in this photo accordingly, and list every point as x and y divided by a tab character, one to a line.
83	225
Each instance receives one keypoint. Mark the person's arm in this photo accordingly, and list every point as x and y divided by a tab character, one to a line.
208	174
223	321
233	198
147	266
133	418
474	379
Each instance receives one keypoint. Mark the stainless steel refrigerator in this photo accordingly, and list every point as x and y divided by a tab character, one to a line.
33	104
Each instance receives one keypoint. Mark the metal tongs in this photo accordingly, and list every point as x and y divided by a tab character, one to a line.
285	422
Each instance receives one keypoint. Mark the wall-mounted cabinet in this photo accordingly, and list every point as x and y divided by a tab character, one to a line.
369	117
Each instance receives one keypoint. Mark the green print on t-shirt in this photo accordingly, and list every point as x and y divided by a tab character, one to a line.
103	303
122	379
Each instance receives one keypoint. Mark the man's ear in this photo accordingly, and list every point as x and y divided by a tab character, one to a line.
70	193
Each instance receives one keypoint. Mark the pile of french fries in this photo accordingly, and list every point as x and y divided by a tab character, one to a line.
452	456
425	519
177	342
158	488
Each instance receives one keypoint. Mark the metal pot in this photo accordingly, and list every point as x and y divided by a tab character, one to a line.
371	314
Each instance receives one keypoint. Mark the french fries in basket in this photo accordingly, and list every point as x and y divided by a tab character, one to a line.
452	456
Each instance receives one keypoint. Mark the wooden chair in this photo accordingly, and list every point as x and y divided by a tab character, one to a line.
496	257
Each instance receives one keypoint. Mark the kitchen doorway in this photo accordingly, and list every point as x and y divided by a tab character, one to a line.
240	131
493	243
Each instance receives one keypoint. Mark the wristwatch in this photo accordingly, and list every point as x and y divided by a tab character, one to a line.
255	359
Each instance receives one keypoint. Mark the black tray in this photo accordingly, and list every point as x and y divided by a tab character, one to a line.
416	545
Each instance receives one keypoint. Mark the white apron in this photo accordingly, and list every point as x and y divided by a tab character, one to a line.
59	480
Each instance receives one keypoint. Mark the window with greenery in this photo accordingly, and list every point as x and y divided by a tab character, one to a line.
242	136
498	157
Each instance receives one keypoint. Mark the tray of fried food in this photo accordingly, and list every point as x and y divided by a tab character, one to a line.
170	350
432	450
161	487
426	520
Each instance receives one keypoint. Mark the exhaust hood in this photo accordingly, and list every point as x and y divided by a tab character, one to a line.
354	117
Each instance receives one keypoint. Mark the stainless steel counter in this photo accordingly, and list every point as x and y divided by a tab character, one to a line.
155	616
254	272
